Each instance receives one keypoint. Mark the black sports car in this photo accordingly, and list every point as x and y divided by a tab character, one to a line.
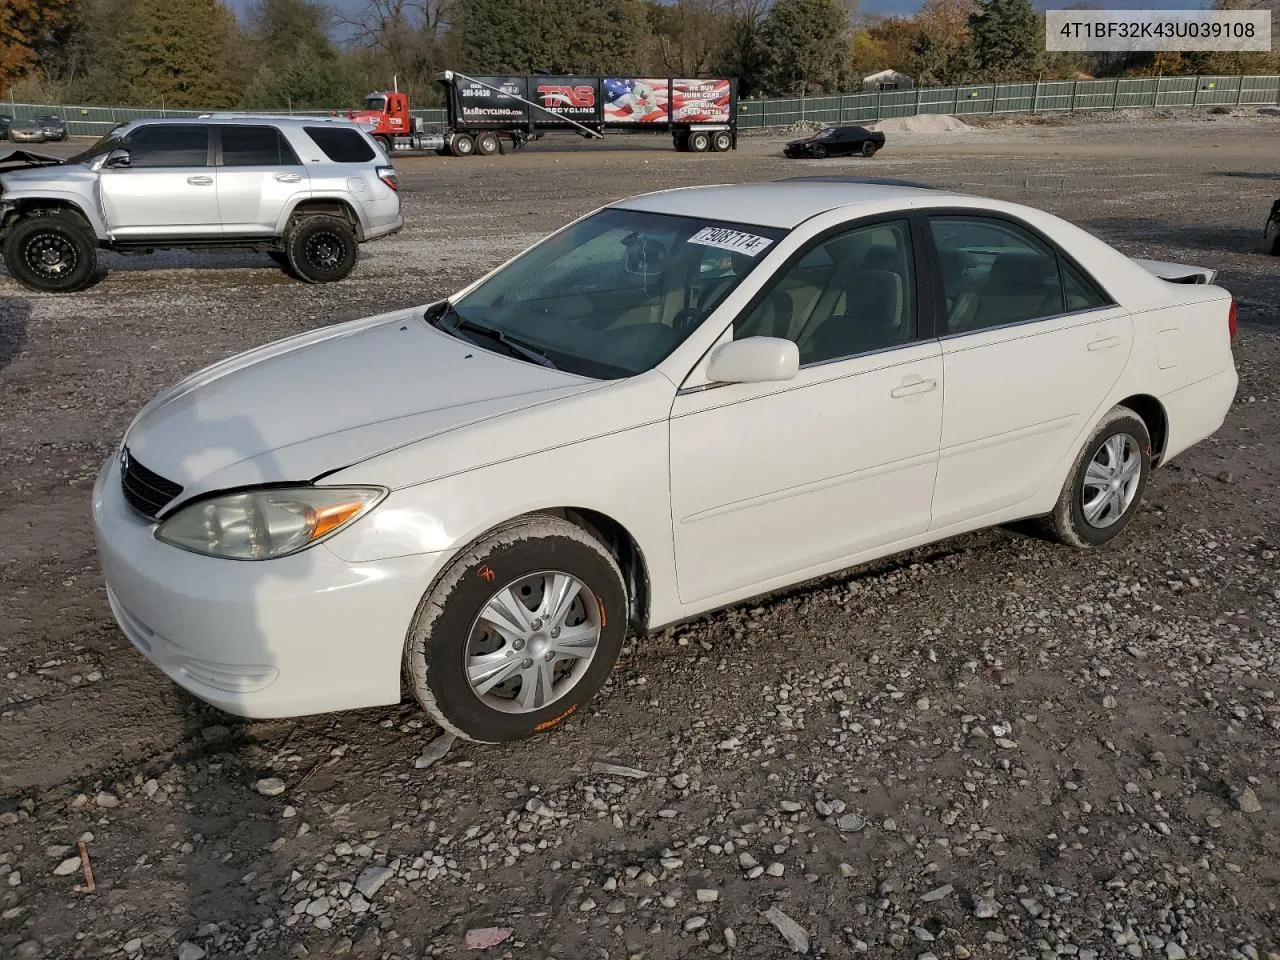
836	142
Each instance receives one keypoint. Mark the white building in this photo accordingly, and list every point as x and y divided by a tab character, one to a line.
888	80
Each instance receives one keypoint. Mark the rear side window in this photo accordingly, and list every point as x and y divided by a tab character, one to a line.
255	147
161	145
341	144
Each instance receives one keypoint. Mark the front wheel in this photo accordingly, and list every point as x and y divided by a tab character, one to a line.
519	633
819	152
1106	483
52	251
321	249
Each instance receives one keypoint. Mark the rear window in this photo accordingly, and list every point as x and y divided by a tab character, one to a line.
255	147
341	144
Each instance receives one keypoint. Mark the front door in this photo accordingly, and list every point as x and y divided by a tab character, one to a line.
770	481
168	188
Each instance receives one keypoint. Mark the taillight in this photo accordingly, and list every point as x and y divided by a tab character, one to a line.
388	176
1231	320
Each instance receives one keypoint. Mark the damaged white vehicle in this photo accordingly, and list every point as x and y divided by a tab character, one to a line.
675	403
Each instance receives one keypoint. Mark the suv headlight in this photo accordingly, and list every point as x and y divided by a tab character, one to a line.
267	523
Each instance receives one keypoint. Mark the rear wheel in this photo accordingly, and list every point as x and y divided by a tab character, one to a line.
462	145
1106	484
321	249
721	142
699	142
53	251
519	633
487	144
869	148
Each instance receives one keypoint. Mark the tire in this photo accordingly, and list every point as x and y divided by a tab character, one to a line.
869	148
699	142
681	142
1121	431
818	152
320	249
518	561
462	145
721	142
52	251
487	144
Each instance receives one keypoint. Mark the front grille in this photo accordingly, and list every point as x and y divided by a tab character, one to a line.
146	491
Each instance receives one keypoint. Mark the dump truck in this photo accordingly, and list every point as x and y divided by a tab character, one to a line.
485	114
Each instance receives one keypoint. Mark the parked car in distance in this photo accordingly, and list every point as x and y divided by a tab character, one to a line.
675	403
26	131
305	190
836	142
54	127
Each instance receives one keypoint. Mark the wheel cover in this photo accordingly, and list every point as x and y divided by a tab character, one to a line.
1111	481
532	642
50	256
324	250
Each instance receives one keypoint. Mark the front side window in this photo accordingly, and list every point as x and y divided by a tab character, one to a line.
851	294
255	147
176	145
995	273
615	293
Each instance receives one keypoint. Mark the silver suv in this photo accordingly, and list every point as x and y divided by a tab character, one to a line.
305	190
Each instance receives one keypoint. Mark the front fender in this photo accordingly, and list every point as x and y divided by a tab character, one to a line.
84	206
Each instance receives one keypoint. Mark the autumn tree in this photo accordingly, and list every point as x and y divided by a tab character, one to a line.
803	44
31	31
1008	40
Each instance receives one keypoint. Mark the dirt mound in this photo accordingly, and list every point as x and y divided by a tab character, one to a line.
924	123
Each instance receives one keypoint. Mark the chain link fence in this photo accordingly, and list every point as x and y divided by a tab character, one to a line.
1040	97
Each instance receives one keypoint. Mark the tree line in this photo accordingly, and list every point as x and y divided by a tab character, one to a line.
305	54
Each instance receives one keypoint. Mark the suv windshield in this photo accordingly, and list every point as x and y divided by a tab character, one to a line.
612	295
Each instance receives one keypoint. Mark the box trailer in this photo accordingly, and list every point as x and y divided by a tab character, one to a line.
485	112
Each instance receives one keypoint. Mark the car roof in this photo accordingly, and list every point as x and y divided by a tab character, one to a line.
782	203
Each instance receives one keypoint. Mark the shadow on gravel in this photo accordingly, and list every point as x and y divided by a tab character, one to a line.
15	314
1216	239
1250	175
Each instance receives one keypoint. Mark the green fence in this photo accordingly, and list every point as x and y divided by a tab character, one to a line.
1041	97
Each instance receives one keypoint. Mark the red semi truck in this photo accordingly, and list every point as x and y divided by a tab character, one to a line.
484	113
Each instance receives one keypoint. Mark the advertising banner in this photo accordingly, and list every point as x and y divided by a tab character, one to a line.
635	100
478	105
577	98
700	101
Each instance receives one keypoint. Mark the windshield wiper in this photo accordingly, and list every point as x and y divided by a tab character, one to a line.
512	344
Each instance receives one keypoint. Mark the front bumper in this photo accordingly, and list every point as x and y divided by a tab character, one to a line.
304	634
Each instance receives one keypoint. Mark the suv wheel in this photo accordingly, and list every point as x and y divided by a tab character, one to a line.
321	249
487	144
519	633
53	251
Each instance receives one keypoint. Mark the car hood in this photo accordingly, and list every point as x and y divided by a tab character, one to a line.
802	142
297	409
57	175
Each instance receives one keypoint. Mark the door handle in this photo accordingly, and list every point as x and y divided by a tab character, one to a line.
200	181
912	386
288	177
1103	343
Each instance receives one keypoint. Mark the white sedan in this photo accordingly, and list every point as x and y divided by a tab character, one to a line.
674	403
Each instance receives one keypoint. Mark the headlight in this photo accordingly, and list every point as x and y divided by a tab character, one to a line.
268	523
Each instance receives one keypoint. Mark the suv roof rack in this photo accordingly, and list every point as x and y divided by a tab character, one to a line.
872	181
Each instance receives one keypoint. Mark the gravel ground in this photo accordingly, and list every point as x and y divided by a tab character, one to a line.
993	747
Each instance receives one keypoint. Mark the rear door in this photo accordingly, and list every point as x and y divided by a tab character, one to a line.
167	189
259	177
1031	347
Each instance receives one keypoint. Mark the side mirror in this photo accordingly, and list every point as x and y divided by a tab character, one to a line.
117	158
754	360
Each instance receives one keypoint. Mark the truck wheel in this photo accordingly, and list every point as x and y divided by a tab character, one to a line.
462	145
680	141
699	142
52	251
321	249
487	144
721	141
519	633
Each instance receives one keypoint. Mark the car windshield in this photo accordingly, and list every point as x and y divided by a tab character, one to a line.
827	134
375	103
612	295
104	145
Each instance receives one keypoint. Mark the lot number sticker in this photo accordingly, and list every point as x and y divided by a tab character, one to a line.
734	240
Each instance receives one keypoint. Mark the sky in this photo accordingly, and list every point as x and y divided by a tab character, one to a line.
881	6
